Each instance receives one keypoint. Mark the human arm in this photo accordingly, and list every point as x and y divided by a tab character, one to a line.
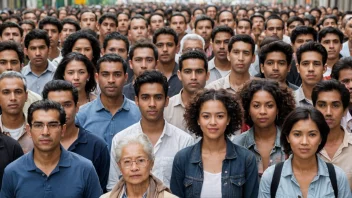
177	177
92	188
252	179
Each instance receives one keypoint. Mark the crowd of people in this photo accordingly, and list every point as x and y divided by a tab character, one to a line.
155	100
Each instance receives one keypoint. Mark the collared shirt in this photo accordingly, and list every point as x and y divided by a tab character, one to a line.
214	72
247	140
174	111
73	176
57	60
36	82
300	98
170	142
128	91
346	122
96	150
254	68
289	186
175	85
342	157
223	83
31	97
94	117
124	194
345	51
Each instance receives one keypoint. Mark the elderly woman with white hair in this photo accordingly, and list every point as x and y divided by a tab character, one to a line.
135	158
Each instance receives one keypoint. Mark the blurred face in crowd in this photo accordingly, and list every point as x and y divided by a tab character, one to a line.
178	24
138	30
116	47
88	21
275	28
204	29
11	34
226	18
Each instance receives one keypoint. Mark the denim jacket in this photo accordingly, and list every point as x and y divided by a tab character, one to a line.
239	177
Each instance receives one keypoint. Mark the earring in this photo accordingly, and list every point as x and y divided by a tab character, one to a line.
87	79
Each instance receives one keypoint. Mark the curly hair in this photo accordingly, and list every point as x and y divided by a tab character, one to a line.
230	102
283	98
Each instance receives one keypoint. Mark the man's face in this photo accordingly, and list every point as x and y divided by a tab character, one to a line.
204	30
62	14
188	17
138	30
311	68
9	61
345	77
333	46
226	18
300	40
12	96
31	17
258	22
197	13
220	45
116	47
348	29
53	33
166	48
189	45
26	28
37	52
330	105
88	21
143	60
111	79
241	57
243	27
122	22
178	24
11	34
275	28
293	26
193	75
316	15
275	66
84	47
156	22
67	30
106	27
65	98
211	12
330	23
241	14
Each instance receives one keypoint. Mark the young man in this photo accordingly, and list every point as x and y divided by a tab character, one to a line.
143	57
116	43
329	21
156	21
211	10
244	26
242	13
241	55
106	25
292	23
193	73
10	31
30	15
274	26
346	52
311	65
203	26
39	70
122	23
88	20
179	24
138	29
53	27
227	18
69	26
27	26
332	98
49	168
151	89
166	39
111	112
78	140
220	66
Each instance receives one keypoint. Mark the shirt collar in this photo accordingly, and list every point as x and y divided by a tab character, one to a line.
227	84
211	64
347	139
250	141
50	68
301	97
178	100
166	129
99	105
24	126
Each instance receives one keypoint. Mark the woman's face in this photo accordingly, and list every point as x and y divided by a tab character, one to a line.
213	119
84	47
263	109
304	139
134	164
76	73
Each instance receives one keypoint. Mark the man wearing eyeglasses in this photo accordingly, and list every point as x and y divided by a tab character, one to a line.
49	170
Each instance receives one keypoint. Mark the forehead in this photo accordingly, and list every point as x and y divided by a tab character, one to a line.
69	25
151	89
9	54
345	73
329	20
82	42
133	150
225	15
88	15
108	20
258	18
138	22
177	19
122	16
29	15
45	116
222	36
276	55
156	17
211	9
116	43
193	43
204	22
244	23
165	38
274	22
11	83
330	36
11	29
311	56
49	27
60	96
240	45
305	36
111	67
193	63
36	42
331	95
143	52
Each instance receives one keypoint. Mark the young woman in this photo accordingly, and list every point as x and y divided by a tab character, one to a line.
77	69
214	167
304	174
265	105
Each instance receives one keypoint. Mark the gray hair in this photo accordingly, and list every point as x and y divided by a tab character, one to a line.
191	37
14	74
139	138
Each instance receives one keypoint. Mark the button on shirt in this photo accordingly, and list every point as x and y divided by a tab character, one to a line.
170	142
74	176
36	82
300	98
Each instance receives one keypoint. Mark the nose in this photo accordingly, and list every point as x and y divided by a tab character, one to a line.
304	140
275	67
331	45
37	52
8	67
240	57
262	110
222	45
164	48
193	75
111	79
144	64
212	120
134	166
13	96
45	130
75	76
328	110
152	102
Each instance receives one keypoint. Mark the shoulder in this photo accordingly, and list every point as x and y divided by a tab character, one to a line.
215	84
168	195
97	141
240	139
106	195
19	165
174	131
33	96
79	161
8	142
88	106
134	128
267	176
185	153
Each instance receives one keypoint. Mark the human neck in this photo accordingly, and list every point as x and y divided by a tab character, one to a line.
83	98
214	145
223	65
186	97
112	103
307	90
166	68
13	121
54	52
331	62
264	134
207	44
155	127
47	161
305	165
237	80
336	135
39	69
136	191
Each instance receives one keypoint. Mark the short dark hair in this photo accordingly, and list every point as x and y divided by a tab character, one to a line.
165	30
221	28
152	76
222	11
329	17
118	14
244	38
195	9
107	16
330	30
36	34
315	9
178	14
60	85
138	16
155	14
91	11
303	30
343	63
115	58
209	6
204	18
28	22
10	24
10	45
116	36
272	17
331	85
293	19
46	105
309	47
71	22
276	46
194	54
143	43
244	19
52	21
304	113
311	19
257	14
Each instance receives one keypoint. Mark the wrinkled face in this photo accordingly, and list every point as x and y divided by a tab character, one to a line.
88	21
330	23
211	12
204	29
143	60
77	74
122	21
84	47
193	75
11	34
67	30
156	22
275	66
166	48
138	30
333	46
241	57
226	18
345	77
220	45
244	27
65	98
106	27
117	47
300	40
37	52
12	96
9	61
178	24
263	109
311	68
293	26
111	78
275	28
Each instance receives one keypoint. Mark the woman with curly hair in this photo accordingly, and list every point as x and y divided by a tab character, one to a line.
266	104
214	167
77	69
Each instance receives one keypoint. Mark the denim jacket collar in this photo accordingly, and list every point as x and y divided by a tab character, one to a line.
250	141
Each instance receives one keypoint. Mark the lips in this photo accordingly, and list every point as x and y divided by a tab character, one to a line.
212	130
45	141
13	105
304	150
262	120
76	84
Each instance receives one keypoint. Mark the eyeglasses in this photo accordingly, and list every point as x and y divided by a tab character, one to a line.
51	126
140	162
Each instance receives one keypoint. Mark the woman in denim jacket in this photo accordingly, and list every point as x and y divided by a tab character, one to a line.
214	167
266	106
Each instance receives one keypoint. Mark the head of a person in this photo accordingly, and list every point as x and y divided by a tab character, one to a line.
196	12
122	22
82	42
27	26
211	109
88	20
244	26
226	18
275	60
316	13
30	15
265	98
178	23
220	38
135	148
10	31
292	23
284	15
69	26
346	15
156	21
203	27
241	13
311	62
11	56
46	125
241	53
37	45
211	11
166	40
348	28
309	20
116	43
138	28
342	71
301	35
66	94
274	26
53	27
258	20
191	42
304	127
107	24
62	13
331	38
329	21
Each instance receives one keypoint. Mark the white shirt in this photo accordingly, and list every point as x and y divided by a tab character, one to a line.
170	142
211	185
345	51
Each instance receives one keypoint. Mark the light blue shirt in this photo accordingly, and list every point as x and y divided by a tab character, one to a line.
36	82
94	117
318	188
345	51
